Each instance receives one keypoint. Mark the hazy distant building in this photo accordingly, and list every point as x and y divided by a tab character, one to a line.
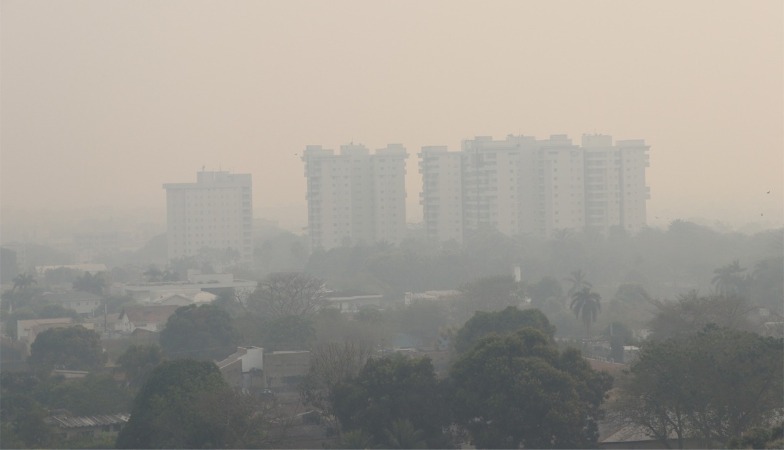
441	196
355	197
214	213
521	185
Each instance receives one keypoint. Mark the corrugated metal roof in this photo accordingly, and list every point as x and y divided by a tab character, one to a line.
66	421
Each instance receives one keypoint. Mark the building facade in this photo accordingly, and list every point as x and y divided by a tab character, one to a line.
522	185
213	214
355	196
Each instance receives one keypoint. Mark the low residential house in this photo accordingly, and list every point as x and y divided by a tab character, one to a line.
67	426
353	303
636	437
144	317
251	367
446	295
244	368
84	303
177	300
286	369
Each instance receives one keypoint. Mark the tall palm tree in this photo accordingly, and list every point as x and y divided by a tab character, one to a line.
402	434
728	280
23	281
586	305
578	281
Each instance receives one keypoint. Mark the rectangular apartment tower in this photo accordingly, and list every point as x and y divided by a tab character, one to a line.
355	197
523	185
214	213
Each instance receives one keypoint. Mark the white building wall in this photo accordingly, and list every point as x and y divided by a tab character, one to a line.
441	196
216	212
521	185
354	197
389	189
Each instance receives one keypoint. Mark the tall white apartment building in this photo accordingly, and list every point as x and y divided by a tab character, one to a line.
355	197
442	193
214	213
521	185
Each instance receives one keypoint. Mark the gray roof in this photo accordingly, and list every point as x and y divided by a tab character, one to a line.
66	421
70	297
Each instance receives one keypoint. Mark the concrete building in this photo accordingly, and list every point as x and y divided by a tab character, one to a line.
355	197
521	185
442	193
215	213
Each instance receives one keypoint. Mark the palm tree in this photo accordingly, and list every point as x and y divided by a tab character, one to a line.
578	281
23	281
586	305
728	279
402	434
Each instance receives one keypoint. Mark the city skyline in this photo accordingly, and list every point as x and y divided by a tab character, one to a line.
110	100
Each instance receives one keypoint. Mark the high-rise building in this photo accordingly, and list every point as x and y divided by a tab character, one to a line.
442	193
214	213
355	197
521	185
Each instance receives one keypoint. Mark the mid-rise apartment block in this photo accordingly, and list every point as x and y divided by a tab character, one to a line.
522	185
214	213
355	196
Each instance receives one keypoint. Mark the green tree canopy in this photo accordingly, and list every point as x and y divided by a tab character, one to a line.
387	391
517	390
95	284
692	312
75	348
509	320
287	294
713	385
138	361
199	331
92	395
187	404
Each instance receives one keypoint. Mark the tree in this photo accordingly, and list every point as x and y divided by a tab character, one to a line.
23	281
92	395
138	361
331	365
545	289
288	333
517	390
586	304
75	348
395	388
23	423
187	404
509	320
728	279
578	281
692	312
713	385
199	331
95	284
288	294
153	274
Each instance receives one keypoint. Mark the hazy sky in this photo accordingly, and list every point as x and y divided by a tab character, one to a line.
103	101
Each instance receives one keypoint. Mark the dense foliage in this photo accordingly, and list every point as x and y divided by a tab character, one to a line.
506	321
517	390
394	397
199	331
187	404
713	385
75	348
